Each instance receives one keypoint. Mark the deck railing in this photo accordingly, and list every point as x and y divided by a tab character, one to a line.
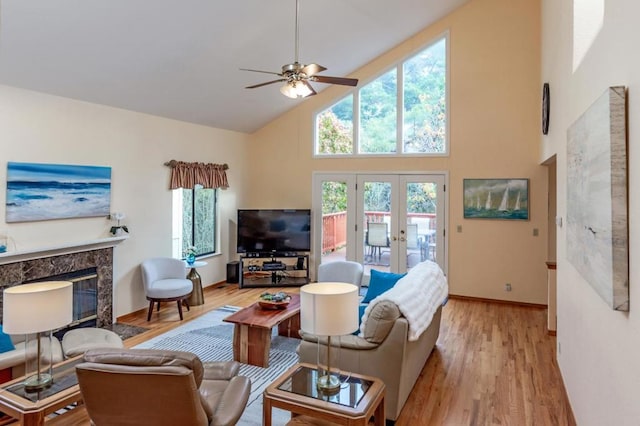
334	226
334	231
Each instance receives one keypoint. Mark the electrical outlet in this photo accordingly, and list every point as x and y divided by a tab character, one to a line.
459	228
535	232
507	287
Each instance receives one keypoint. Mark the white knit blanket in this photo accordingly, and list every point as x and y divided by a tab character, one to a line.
418	296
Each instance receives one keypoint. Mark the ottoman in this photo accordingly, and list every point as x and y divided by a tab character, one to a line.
79	340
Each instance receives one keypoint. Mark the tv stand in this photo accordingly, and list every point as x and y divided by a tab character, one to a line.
287	269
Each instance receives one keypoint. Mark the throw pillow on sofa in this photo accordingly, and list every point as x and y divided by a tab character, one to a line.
379	283
6	344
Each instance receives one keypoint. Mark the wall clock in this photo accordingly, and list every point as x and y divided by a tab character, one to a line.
545	108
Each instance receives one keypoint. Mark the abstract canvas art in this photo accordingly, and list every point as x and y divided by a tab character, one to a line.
496	199
56	191
597	230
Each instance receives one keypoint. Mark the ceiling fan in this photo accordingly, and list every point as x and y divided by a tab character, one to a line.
297	76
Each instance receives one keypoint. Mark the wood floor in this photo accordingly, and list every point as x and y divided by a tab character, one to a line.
494	364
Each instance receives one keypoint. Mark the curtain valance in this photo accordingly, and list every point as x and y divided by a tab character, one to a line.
187	175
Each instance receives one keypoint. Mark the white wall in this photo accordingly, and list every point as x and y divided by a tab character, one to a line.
40	128
589	45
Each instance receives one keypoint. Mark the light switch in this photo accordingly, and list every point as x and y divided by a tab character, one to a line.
459	228
535	232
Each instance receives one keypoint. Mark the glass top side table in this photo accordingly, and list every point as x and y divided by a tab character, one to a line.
359	398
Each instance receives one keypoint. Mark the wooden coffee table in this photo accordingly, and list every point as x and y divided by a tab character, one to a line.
252	332
358	399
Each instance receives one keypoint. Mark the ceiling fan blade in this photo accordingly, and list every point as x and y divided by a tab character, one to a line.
306	83
264	72
312	69
267	83
335	80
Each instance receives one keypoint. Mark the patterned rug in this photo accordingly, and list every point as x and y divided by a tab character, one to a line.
211	339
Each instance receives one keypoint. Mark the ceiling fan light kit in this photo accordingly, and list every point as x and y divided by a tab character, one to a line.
296	90
297	76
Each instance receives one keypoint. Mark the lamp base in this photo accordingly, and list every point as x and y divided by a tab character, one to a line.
38	382
328	384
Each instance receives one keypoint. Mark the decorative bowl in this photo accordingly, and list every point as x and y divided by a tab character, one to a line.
267	304
278	300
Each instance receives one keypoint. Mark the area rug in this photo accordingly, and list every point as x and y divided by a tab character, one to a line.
211	339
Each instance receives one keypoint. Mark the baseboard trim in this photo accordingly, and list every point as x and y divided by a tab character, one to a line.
131	316
505	302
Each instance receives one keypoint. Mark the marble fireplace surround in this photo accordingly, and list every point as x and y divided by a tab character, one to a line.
18	267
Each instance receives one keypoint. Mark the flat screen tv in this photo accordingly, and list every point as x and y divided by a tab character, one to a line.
261	231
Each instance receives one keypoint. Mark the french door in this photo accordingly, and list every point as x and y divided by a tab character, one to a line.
388	222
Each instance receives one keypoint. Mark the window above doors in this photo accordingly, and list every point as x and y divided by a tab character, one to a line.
403	111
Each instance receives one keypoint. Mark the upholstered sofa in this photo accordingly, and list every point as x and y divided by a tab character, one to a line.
388	346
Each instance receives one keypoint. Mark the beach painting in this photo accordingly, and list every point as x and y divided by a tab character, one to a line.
56	191
496	199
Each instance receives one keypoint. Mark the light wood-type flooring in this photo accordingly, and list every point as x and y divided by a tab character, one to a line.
494	363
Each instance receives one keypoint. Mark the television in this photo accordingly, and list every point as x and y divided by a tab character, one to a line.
274	231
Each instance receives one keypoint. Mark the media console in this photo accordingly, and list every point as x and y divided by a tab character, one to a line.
274	269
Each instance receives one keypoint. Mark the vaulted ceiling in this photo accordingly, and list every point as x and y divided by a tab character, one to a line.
180	58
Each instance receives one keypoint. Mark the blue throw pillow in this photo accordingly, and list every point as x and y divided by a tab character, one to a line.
6	344
379	283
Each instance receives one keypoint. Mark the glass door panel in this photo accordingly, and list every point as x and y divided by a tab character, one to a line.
334	197
420	204
376	216
334	221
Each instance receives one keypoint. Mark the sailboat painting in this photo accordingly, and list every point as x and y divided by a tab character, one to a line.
496	199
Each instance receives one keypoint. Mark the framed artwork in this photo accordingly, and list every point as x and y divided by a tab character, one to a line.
496	199
597	217
56	191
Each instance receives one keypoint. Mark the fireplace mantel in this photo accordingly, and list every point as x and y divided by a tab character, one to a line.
67	248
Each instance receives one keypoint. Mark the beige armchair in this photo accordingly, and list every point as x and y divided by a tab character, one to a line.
160	387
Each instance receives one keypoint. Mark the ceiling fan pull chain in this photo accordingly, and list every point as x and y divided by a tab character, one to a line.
297	29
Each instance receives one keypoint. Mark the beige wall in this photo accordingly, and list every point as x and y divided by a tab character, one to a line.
47	129
587	47
494	133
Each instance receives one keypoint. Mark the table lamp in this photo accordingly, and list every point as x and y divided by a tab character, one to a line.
37	308
328	309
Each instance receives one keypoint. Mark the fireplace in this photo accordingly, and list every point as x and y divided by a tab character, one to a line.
92	269
85	295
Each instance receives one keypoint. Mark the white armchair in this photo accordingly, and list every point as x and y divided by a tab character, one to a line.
342	271
164	280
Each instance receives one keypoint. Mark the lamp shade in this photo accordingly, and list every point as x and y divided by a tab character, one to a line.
37	307
329	309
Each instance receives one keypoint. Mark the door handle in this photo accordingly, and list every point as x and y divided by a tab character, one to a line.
402	239
394	238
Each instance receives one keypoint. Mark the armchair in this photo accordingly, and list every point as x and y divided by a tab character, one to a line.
164	280
342	271
127	387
